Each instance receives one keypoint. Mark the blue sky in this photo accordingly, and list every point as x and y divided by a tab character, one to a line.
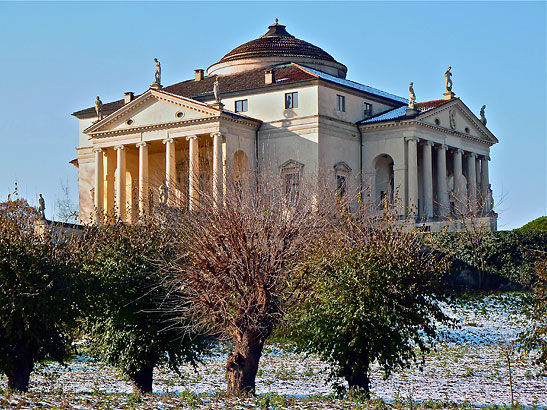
56	57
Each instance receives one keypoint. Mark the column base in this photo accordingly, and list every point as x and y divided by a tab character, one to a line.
218	105
156	86
449	95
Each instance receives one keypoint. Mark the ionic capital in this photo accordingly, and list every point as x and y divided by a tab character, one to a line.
429	143
216	134
473	155
412	139
191	137
459	151
141	144
168	141
97	149
442	147
119	147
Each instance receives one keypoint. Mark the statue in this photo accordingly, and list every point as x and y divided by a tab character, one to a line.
489	200
483	116
452	118
164	193
412	96
42	207
216	90
99	108
157	73
448	78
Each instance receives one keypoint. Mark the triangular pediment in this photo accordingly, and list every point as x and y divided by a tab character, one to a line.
151	109
456	116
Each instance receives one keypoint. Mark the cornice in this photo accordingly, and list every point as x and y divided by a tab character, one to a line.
174	124
413	122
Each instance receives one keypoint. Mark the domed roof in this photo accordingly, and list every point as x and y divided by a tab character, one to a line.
277	46
275	43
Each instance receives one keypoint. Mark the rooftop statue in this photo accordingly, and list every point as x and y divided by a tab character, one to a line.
42	207
483	116
157	72
216	90
412	95
448	78
99	108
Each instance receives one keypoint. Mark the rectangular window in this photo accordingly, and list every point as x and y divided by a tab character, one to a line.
241	105
341	185
341	103
367	109
291	186
291	100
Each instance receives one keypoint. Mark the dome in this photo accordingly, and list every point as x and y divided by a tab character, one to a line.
275	47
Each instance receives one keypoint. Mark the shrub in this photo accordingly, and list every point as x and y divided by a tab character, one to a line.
39	294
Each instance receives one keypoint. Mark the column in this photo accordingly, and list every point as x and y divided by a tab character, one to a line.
442	183
170	169
193	173
428	179
412	172
478	179
458	176
485	184
120	182
99	183
143	177
472	183
217	168
110	157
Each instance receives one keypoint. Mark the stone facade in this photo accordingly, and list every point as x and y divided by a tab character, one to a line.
293	118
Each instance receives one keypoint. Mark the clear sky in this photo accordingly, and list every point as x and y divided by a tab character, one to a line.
56	57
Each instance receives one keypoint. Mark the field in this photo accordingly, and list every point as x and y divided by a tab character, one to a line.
468	369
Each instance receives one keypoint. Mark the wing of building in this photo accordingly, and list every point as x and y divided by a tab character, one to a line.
284	104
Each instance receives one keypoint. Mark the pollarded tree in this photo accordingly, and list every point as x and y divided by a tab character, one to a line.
374	300
244	269
127	326
39	294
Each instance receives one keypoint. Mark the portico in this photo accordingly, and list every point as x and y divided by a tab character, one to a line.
441	173
164	164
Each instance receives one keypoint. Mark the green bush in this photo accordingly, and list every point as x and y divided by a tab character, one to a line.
131	322
39	294
509	254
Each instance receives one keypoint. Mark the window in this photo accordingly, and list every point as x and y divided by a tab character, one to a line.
292	182
341	103
291	172
241	105
367	109
291	100
341	185
342	172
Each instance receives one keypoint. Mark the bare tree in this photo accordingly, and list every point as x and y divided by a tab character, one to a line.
244	266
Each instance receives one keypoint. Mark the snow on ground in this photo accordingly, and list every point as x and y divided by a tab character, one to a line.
468	368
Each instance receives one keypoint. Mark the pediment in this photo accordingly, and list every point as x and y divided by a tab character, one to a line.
457	117
151	109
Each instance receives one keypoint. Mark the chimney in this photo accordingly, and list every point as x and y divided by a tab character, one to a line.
269	78
128	97
199	74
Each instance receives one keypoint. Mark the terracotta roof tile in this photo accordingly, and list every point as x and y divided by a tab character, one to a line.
285	73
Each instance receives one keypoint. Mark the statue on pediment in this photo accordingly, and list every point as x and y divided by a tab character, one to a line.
216	90
412	95
99	108
157	72
42	207
448	78
483	115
